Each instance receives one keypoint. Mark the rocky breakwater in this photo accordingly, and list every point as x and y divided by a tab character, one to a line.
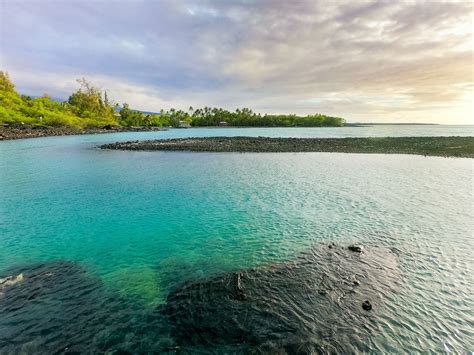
428	146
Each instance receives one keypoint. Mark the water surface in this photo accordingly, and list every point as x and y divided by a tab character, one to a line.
141	223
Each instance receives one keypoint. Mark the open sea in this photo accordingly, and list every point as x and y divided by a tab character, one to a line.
181	252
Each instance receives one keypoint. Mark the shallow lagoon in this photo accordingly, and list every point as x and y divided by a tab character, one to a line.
143	222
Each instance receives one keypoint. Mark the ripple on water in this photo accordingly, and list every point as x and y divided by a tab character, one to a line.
313	302
178	218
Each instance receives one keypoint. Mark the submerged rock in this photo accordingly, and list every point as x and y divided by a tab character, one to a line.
54	299
238	289
307	305
311	302
57	307
366	305
355	248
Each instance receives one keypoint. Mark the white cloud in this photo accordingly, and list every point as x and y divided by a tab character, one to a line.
403	61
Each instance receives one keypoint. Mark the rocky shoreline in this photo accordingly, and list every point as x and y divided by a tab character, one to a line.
22	131
428	146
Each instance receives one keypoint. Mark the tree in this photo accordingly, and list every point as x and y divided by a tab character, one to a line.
87	102
5	82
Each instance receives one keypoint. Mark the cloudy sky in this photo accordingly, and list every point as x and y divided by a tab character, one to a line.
386	61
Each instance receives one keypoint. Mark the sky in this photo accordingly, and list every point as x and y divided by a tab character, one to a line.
384	61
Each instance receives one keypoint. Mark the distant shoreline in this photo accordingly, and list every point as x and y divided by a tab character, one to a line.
462	147
26	131
365	124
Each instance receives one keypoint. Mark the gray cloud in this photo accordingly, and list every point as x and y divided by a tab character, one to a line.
362	60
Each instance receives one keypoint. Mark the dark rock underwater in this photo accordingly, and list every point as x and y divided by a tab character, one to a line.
315	303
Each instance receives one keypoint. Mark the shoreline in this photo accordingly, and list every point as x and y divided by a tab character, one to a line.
28	131
461	147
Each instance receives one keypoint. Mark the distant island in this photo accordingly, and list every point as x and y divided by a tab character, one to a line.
89	109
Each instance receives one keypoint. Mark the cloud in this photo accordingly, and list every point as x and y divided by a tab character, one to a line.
403	61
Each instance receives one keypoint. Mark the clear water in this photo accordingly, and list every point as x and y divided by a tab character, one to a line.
143	222
326	132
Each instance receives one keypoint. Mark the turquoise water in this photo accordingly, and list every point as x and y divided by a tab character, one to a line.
144	222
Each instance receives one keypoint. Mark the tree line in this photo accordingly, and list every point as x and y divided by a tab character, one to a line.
89	106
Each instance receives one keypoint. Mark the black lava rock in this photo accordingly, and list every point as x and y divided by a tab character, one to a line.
366	306
355	248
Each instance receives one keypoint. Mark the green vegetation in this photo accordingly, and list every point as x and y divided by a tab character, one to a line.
90	107
88	104
433	146
84	108
132	118
247	118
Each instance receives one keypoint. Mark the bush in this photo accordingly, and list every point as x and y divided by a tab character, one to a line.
84	108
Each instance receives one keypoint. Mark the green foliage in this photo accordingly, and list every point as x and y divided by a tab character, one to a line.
87	103
247	118
5	83
132	118
90	107
84	108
